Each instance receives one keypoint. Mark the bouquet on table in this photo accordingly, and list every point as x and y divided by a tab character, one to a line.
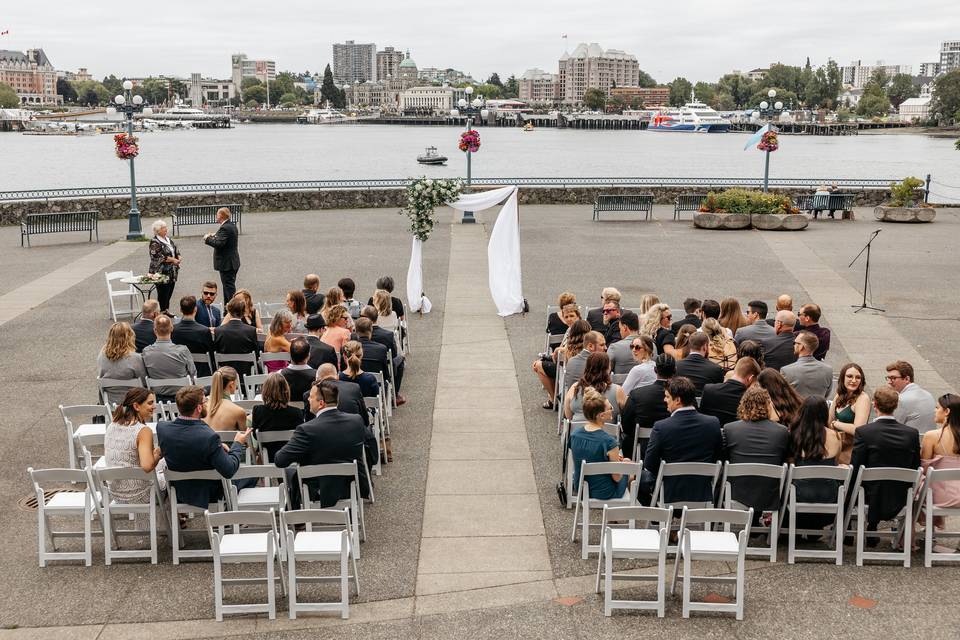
126	144
153	278
769	142
470	141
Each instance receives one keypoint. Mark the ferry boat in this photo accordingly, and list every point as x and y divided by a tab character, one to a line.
693	116
430	156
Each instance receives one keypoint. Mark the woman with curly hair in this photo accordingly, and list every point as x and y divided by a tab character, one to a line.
546	366
722	350
656	324
756	439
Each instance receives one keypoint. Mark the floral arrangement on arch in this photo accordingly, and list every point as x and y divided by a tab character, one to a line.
126	144
769	142
423	196
470	141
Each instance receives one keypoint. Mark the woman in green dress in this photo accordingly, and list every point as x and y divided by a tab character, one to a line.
850	408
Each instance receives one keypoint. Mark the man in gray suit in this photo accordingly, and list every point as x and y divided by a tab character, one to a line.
593	342
164	359
809	376
778	351
758	329
621	357
916	406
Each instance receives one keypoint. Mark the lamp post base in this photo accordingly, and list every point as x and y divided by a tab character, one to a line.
468	218
134	230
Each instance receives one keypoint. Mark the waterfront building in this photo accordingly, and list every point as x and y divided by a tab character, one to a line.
444	76
243	68
407	71
537	87
209	92
929	69
857	74
354	62
31	75
388	63
81	75
590	67
429	100
646	96
383	95
915	109
850	97
949	56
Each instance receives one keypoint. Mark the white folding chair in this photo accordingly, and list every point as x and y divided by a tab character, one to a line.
177	508
253	383
105	384
404	344
113	294
78	421
585	503
376	417
748	472
63	503
271	437
634	543
159	383
260	498
707	470
202	358
640	433
386	407
170	410
715	546
105	476
247	405
835	476
930	554
244	548
353	504
230	359
279	356
204	382
332	544
270	309
902	532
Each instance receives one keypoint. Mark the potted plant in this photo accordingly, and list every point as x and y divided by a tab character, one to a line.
741	208
906	203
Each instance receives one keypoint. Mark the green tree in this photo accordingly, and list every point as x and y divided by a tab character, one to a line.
705	91
114	85
873	105
8	97
65	89
494	79
177	88
788	98
488	91
289	100
153	90
738	88
646	80
617	104
284	83
329	91
90	98
946	97
257	94
783	76
246	83
809	88
511	89
901	87
594	99
880	78
724	102
830	91
680	90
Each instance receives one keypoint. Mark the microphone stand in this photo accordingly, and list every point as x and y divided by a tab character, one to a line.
866	276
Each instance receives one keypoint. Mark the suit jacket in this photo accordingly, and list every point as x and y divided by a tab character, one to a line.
722	400
143	330
686	436
331	437
300	380
226	257
386	338
758	331
164	359
778	350
574	368
204	314
690	318
236	337
349	400
191	445
611	332
763	442
321	352
620	354
700	371
916	408
196	338
376	357
644	406
595	318
314	300
885	443
809	376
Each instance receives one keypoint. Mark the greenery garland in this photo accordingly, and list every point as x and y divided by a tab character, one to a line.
423	195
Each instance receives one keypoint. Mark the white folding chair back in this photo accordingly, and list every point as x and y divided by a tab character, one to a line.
640	433
839	476
902	535
376	418
756	471
585	503
247	405
270	309
124	291
78	421
202	358
273	356
63	503
221	359
177	508
105	477
354	504
272	495
930	554
113	383
170	410
330	544
708	470
271	437
158	383
253	383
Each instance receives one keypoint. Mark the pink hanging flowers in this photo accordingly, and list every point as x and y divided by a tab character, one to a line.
127	148
768	142
470	141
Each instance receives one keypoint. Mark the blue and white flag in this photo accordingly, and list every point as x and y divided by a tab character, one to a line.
755	138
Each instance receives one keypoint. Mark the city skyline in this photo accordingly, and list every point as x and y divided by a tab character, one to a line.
681	42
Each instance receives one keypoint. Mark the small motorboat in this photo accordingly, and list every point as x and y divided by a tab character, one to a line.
528	126
430	156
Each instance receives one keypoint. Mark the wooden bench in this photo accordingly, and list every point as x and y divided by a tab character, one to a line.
834	202
205	214
59	222
688	202
642	202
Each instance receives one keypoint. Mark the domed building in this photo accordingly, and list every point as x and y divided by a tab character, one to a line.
408	71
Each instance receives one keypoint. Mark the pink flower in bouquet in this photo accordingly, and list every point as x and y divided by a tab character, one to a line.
469	141
768	142
126	146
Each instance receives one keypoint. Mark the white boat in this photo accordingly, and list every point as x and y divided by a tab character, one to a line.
430	156
693	116
320	116
180	110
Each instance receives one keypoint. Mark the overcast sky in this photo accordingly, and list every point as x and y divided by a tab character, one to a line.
698	39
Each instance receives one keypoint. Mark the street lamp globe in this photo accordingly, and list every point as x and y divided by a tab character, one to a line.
764	105
127	85
778	105
772	93
484	113
476	103
462	103
138	100
120	100
468	90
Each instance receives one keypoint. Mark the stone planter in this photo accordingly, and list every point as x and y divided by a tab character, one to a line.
904	214
721	220
779	221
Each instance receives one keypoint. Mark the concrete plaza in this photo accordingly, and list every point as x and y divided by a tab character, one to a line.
466	538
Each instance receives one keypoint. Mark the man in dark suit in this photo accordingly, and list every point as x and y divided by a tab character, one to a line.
350	399
143	328
320	351
299	375
884	443
226	257
595	316
722	400
193	335
376	357
809	320
189	444
236	337
686	436
332	436
696	367
778	350
381	335
691	306
646	405
311	291
207	314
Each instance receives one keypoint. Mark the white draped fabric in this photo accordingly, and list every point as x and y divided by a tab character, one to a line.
418	301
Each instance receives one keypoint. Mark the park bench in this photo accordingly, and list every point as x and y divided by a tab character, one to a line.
205	214
688	202
833	202
642	202
35	223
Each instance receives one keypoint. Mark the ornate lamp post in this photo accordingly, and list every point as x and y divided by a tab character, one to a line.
471	110
767	112
128	104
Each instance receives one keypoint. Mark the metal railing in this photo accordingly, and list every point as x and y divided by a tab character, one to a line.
216	188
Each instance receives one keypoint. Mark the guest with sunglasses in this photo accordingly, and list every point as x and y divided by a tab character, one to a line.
207	314
642	373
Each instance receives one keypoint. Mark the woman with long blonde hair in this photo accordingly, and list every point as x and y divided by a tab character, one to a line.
119	360
386	318
731	315
656	324
352	371
338	332
277	341
222	413
722	350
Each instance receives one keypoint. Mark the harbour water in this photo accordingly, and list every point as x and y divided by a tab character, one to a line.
299	152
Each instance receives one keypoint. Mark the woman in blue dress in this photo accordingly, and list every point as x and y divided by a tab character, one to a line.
590	443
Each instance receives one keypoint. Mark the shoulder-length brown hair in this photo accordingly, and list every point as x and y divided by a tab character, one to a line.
275	391
845	397
754	404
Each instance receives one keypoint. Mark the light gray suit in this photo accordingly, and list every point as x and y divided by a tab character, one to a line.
916	408
809	376
164	359
758	331
621	357
574	368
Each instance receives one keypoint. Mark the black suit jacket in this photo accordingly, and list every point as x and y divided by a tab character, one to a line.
722	400
349	400
778	350
191	445
236	337
300	380
376	357
386	338
143	330
763	442
226	257
321	352
195	337
700	371
644	406
686	436
687	319
331	437
595	318
885	443
612	332
314	300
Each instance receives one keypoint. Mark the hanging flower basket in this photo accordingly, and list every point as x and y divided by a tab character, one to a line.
127	148
768	142
470	141
425	194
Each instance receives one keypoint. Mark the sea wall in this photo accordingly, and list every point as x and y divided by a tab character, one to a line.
154	206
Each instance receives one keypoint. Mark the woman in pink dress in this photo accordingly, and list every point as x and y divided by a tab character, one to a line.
940	449
337	333
276	341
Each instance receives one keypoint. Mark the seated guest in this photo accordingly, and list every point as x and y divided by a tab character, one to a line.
778	349
119	360
851	407
352	372
299	375
711	309
164	359
386	283
275	414
940	449
555	324
376	357
330	437
545	367
593	342
916	407
813	443
784	399
249	316
596	376
686	436
277	341
611	322
731	316
143	328
721	348
595	315
755	439
645	405
642	372
311	293
297	306
647	301
590	443
320	351
621	351
656	324
386	318
129	443
809	376
750	349
691	306
334	298
810	321
681	347
350	398
784	303
222	414
387	339
234	336
337	332
207	314
722	400
196	337
696	368
190	445
757	329
348	286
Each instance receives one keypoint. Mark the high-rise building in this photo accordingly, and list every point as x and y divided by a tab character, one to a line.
929	69
243	68
388	63
536	86
857	74
590	67
354	62
209	92
949	55
31	75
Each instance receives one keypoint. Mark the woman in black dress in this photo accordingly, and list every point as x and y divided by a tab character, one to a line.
275	414
164	260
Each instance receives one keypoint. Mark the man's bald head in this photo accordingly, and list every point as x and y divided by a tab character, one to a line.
784	302
326	371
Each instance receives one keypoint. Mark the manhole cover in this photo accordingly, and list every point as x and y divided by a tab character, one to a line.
29	503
